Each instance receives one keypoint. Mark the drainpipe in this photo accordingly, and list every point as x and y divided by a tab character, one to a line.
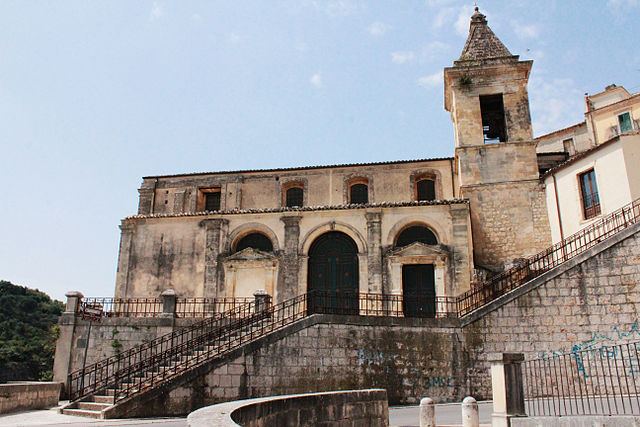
555	191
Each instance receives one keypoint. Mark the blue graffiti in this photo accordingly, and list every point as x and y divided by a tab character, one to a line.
603	347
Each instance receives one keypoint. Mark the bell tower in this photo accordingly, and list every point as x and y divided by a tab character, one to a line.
496	162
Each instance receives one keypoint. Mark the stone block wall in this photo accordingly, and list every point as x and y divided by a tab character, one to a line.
107	338
410	358
508	221
592	304
28	395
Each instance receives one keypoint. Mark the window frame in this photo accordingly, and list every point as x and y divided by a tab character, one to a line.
627	114
353	183
285	193
490	98
590	209
202	198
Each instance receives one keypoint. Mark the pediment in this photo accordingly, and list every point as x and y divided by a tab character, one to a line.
420	249
251	254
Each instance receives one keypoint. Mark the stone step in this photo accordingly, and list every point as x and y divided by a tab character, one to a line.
87	413
103	399
93	406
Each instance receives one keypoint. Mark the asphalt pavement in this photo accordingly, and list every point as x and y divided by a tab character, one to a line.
448	414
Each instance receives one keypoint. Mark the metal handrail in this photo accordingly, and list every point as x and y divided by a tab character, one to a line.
142	367
550	258
188	308
595	381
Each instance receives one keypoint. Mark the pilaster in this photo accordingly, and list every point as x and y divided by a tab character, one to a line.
288	285
213	230
374	256
127	229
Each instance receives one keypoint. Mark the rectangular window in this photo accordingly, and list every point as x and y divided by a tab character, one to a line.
494	125
625	122
294	197
209	199
590	197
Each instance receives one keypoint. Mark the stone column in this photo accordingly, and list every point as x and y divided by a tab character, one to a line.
507	385
64	344
122	276
213	229
287	287
374	251
168	303
262	300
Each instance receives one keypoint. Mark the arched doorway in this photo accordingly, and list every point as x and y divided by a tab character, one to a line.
333	274
418	280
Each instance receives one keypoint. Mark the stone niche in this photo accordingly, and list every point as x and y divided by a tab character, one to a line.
418	253
248	271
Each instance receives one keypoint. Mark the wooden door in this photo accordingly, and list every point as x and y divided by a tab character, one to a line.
419	290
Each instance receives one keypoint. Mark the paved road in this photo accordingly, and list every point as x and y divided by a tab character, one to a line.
448	414
399	416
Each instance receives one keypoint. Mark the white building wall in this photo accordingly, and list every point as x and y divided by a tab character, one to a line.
612	180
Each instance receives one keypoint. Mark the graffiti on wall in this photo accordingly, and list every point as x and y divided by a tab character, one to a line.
605	347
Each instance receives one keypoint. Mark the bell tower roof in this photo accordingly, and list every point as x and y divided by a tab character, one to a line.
482	45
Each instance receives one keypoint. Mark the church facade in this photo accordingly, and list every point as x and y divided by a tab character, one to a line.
415	227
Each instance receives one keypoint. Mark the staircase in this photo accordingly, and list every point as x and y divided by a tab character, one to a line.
98	389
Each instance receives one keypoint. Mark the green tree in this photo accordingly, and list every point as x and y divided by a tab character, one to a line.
28	333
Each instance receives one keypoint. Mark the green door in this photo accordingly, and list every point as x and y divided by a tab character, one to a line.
419	290
333	274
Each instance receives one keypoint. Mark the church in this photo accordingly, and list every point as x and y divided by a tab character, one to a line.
403	275
429	227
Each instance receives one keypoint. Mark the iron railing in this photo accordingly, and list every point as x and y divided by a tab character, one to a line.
97	376
603	381
151	363
550	258
194	308
189	308
369	304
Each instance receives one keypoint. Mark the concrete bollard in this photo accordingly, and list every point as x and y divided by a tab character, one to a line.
427	413
470	417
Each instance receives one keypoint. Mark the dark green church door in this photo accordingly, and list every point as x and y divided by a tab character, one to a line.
333	274
419	290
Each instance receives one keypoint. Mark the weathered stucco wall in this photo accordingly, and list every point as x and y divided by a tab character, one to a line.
323	186
194	254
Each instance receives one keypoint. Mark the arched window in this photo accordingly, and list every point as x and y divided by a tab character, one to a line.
425	189
294	197
359	194
256	241
416	233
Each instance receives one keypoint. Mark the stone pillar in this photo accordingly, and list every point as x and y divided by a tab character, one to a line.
64	344
213	229
288	285
427	413
168	303
122	276
262	300
374	251
470	417
507	385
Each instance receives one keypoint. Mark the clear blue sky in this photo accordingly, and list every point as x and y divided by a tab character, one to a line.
95	95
